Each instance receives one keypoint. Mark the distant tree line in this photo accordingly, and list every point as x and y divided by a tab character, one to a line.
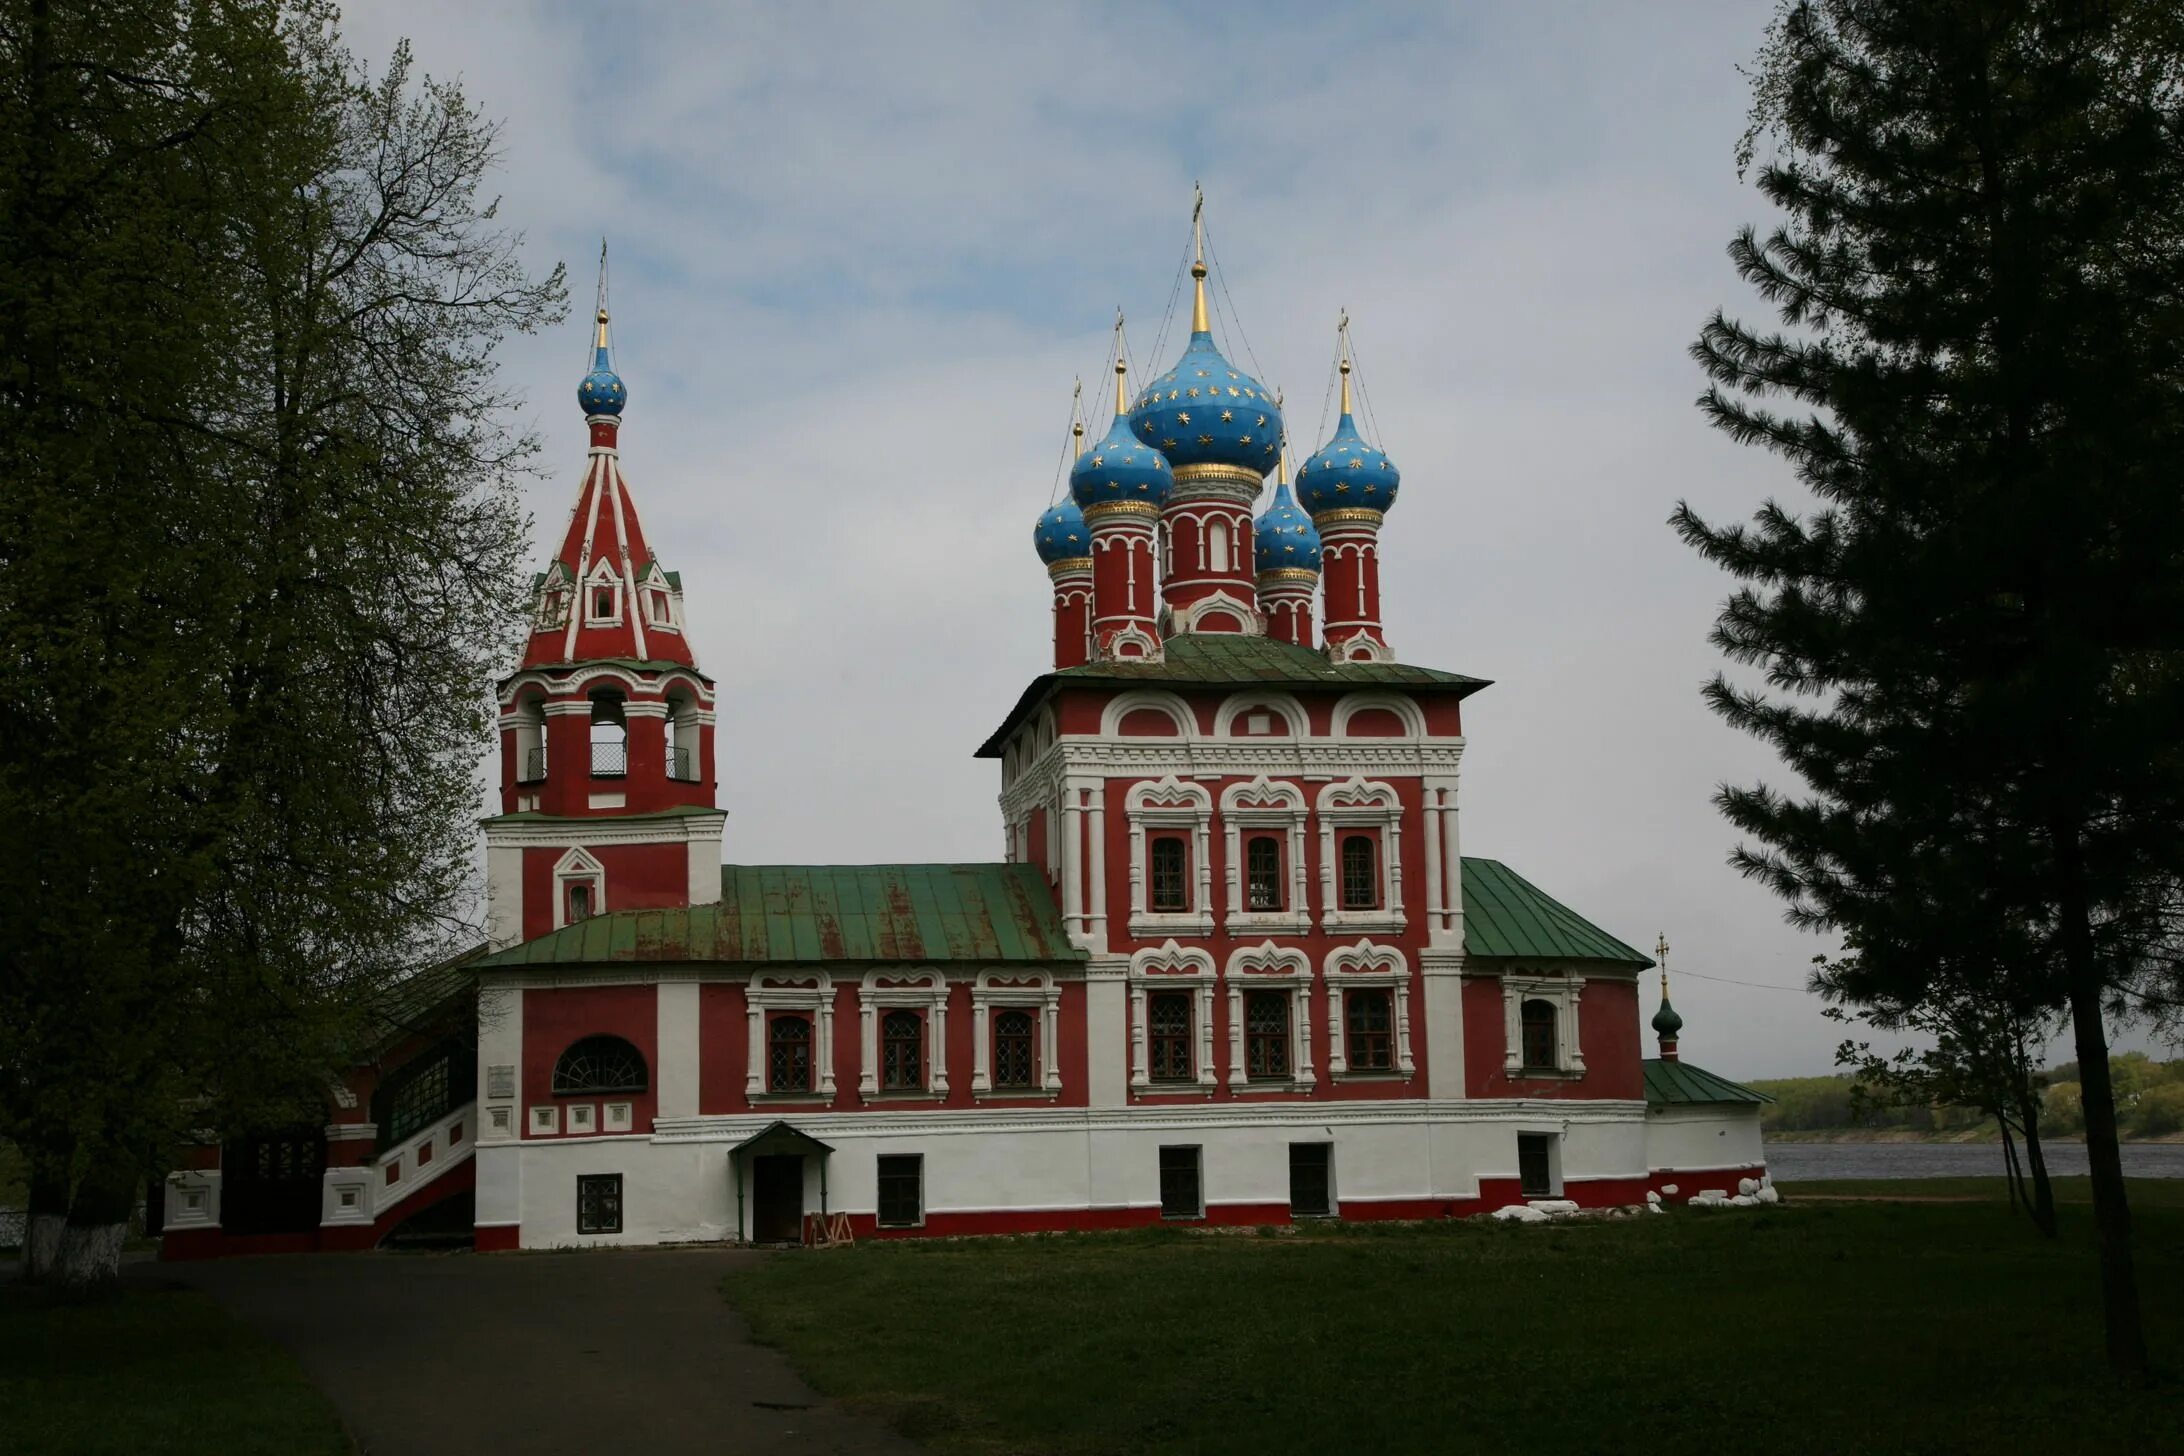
2149	1104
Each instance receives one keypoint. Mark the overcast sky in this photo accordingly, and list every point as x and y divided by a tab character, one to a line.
860	251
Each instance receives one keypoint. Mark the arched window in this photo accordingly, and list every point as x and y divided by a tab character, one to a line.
1539	1035
1168	892
1369	1030
600	1064
1263	872
682	737
788	1054
530	725
1360	872
609	737
1266	1035
1217	547
1012	1058
902	1051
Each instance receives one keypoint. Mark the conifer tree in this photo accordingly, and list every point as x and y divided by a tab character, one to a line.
259	563
1970	636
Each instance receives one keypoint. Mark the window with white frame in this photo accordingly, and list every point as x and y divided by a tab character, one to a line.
1171	1019
1368	1012
1361	874
1262	827
1170	872
580	888
1015	1023
903	1025
794	1058
1540	1026
1269	1017
603	596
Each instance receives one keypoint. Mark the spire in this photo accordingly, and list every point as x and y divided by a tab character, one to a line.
1076	417
1342	344
601	393
1666	1023
1199	324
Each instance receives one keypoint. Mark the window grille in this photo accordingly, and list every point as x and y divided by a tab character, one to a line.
1168	1035
1169	893
1311	1189
1360	872
902	1190
1180	1196
1539	1036
1263	872
1370	1026
1012	1058
788	1054
902	1047
599	1203
600	1064
1266	1035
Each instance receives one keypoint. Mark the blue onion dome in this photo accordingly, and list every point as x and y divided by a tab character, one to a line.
1062	535
1120	467
1346	471
1206	411
602	392
1285	536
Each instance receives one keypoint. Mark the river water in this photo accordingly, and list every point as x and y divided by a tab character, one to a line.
1789	1162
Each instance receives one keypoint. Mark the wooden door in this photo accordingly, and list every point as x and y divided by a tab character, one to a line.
777	1196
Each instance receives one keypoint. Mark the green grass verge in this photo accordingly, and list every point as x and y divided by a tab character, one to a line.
1823	1328
2144	1192
156	1369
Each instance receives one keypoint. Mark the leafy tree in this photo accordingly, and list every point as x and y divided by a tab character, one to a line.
1971	640
258	562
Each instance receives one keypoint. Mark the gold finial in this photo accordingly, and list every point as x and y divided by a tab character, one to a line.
1122	370
1076	415
601	341
1342	344
1198	261
1660	951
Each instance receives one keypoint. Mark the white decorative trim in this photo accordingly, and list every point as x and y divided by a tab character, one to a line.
1366	965
617	1116
1224	601
1020	990
1122	705
1168	803
781	991
1269	967
919	990
1561	992
574	868
1172	967
1148	645
1283	705
602	576
1406	710
546	1118
1361	804
1264	803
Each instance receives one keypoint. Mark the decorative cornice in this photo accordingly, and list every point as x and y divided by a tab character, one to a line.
1211	473
1069	566
1287	577
1130	510
1346	515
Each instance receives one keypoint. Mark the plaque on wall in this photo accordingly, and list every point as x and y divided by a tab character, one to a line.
500	1081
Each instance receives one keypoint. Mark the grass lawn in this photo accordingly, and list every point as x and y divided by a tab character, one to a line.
1823	1328
155	1370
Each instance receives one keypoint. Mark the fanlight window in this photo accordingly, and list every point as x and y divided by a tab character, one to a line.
600	1064
1539	1034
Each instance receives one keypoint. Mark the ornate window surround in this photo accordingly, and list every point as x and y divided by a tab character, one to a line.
602	577
1265	804
1033	991
1560	992
1360	803
1367	965
1269	967
811	993
576	868
920	990
1172	967
1169	803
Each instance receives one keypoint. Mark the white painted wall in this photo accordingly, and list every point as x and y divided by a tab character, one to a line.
1695	1139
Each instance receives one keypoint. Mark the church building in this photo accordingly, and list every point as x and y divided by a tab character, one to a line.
1235	969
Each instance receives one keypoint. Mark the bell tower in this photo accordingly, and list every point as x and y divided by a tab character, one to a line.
606	725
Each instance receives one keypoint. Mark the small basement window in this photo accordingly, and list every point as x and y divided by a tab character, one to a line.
1180	1194
599	1203
902	1190
1311	1186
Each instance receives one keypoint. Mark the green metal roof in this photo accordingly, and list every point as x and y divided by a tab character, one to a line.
675	811
775	913
1229	659
1681	1084
1506	915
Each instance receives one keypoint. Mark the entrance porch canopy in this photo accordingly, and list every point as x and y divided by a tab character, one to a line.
779	1139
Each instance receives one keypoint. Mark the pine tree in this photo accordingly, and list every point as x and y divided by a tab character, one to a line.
1970	639
259	562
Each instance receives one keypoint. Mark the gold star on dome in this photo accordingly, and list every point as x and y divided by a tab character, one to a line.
1243	439
1262	422
1234	375
1234	392
1097	462
1174	393
1168	444
1201	374
1072	536
1355	463
1227	416
1205	439
1368	490
1182	417
1192	391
